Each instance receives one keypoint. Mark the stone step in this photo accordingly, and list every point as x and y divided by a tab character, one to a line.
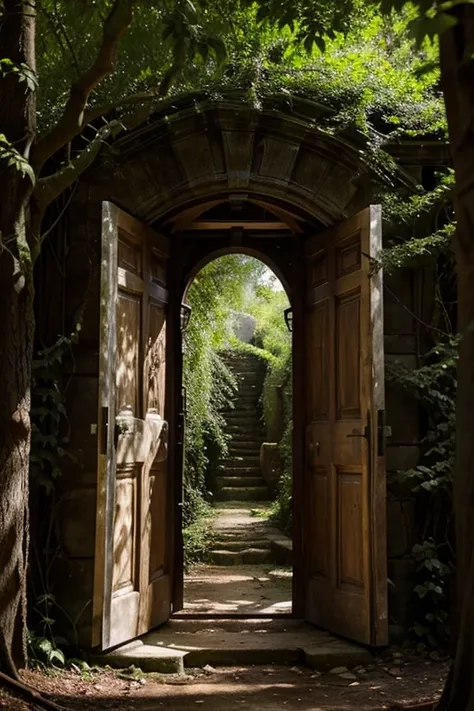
245	436
243	473
241	406
248	556
239	481
239	415
250	493
253	430
187	643
238	453
244	422
240	545
236	462
244	444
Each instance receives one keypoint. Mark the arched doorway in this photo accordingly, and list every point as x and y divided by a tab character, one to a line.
237	474
217	178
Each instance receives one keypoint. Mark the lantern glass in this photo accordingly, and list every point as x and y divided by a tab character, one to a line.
184	316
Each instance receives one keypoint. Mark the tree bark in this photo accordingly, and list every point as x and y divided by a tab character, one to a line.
457	74
17	123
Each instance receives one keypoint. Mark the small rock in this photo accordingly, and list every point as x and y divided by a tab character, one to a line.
347	675
142	682
394	672
209	669
355	683
361	670
315	675
338	670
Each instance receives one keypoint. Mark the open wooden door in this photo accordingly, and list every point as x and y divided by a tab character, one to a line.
344	528
133	562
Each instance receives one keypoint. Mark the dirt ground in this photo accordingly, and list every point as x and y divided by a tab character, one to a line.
266	688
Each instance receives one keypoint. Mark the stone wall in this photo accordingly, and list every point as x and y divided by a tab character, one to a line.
403	446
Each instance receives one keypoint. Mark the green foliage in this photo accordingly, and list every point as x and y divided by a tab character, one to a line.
22	71
410	252
433	578
214	295
267	305
48	456
11	158
49	430
42	652
433	385
198	536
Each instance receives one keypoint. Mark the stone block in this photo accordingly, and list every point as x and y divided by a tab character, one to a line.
400	527
271	465
73	586
76	515
400	457
403	416
399	344
82	408
400	573
399	303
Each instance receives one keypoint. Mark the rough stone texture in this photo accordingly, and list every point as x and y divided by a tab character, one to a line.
229	642
400	572
241	577
244	429
400	527
270	463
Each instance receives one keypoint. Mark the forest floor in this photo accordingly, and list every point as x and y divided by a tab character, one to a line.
269	688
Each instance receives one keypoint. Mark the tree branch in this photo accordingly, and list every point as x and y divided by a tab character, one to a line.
72	121
50	187
96	112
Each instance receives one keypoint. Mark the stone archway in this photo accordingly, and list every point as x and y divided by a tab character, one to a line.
166	173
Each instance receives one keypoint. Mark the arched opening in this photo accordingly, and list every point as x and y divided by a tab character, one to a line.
238	455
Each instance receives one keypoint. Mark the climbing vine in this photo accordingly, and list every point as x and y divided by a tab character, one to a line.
48	457
432	384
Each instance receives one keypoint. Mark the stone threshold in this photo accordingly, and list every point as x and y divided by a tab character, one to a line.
184	643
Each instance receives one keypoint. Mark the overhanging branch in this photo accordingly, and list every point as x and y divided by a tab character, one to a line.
72	121
49	188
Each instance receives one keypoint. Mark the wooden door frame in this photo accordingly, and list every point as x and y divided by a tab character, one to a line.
189	255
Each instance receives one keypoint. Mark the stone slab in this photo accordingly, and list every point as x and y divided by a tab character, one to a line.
227	642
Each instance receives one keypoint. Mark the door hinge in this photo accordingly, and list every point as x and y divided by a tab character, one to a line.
383	431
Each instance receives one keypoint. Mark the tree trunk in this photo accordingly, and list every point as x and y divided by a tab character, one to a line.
457	74
17	123
17	327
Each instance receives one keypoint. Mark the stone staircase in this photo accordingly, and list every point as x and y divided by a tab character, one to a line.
239	476
241	538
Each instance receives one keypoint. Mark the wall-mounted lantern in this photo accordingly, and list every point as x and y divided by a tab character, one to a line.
288	314
184	316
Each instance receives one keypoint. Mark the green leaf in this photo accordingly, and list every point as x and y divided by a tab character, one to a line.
57	655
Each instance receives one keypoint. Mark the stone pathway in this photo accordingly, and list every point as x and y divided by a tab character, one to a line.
242	576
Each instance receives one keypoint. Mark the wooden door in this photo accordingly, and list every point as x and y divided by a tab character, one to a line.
133	566
344	530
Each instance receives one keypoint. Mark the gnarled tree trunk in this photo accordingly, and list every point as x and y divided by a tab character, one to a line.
17	123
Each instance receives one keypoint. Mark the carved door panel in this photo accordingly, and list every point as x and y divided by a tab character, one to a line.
344	529
132	586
